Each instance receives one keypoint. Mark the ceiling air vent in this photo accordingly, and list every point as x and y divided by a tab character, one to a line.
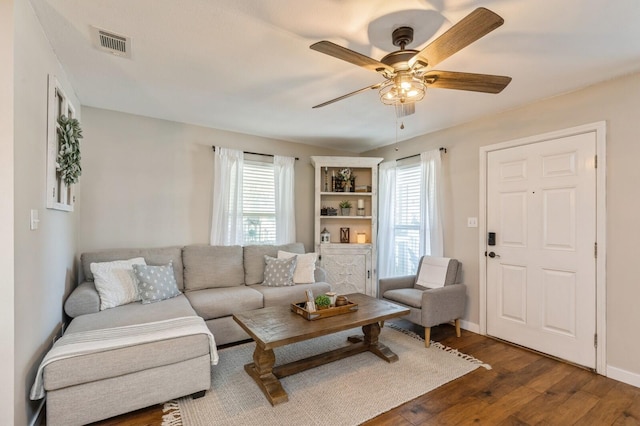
111	42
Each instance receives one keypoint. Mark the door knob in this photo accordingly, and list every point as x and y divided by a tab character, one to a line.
492	255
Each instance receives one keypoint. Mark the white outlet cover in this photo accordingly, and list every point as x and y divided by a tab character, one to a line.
472	222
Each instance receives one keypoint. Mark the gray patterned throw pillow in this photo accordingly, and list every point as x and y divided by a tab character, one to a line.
279	272
156	283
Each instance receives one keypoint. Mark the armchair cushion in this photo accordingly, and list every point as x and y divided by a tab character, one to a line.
436	272
406	296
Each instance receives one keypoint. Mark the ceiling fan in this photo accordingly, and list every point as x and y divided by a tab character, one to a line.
409	72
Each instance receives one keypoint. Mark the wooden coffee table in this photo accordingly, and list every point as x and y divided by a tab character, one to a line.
278	326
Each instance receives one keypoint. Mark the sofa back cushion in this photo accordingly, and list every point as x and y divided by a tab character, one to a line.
152	256
254	259
212	266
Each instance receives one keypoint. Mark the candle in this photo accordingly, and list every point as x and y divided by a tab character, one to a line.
361	204
361	238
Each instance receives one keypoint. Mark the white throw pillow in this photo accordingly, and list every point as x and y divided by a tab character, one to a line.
433	272
305	267
115	281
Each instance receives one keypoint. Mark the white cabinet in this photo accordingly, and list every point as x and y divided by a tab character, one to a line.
349	267
350	256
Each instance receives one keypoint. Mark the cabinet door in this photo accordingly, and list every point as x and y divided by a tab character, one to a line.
348	273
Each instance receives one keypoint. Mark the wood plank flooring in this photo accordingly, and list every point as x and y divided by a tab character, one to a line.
523	388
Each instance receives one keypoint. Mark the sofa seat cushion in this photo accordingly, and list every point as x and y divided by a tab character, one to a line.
118	362
283	296
133	313
220	302
212	266
254	259
407	296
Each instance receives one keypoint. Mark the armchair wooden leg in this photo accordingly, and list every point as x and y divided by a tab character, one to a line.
427	337
458	327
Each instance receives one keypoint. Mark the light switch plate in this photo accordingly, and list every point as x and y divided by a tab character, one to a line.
472	222
34	219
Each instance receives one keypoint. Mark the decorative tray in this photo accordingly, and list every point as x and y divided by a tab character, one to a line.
300	309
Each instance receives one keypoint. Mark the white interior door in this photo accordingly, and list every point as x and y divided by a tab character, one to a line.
541	284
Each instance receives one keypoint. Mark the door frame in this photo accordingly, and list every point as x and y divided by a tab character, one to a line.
600	129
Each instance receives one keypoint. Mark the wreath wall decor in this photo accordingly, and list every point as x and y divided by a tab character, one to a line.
68	160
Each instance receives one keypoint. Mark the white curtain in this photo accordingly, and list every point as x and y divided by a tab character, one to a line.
226	217
283	170
386	218
431	235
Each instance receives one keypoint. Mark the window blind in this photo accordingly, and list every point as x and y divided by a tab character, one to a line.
407	219
259	204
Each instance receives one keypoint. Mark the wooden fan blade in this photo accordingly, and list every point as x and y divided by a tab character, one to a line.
466	81
474	26
375	86
353	57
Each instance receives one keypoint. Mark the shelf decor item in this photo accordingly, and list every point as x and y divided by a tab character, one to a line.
363	188
360	211
326	179
345	208
325	236
361	238
344	235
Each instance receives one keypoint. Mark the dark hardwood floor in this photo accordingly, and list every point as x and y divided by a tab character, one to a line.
523	388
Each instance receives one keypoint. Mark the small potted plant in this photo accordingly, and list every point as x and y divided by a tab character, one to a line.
345	207
322	302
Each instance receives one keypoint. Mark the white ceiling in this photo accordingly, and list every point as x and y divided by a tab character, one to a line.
246	66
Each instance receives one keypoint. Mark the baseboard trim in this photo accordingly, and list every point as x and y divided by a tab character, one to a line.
470	326
624	376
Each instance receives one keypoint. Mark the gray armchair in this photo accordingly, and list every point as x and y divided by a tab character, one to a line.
434	295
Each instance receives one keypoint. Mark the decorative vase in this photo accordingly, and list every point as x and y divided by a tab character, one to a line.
341	301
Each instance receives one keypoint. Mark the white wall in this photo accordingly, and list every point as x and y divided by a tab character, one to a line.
617	102
148	182
44	259
7	391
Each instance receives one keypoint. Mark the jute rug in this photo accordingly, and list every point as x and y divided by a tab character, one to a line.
345	392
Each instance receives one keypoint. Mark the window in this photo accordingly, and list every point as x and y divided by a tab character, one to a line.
407	219
253	200
59	195
259	203
409	224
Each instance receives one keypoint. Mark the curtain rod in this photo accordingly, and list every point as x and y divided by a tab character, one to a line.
415	155
253	153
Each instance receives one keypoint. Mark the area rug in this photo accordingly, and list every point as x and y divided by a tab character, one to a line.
346	392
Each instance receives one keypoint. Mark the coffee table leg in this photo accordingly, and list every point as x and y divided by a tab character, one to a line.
261	370
370	339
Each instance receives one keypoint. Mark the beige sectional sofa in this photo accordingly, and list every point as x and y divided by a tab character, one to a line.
216	282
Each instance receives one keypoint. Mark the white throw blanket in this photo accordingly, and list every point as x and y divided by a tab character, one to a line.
87	342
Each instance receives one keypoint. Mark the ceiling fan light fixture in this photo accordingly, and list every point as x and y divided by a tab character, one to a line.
402	90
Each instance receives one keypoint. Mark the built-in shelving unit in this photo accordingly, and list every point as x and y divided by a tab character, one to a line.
350	265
